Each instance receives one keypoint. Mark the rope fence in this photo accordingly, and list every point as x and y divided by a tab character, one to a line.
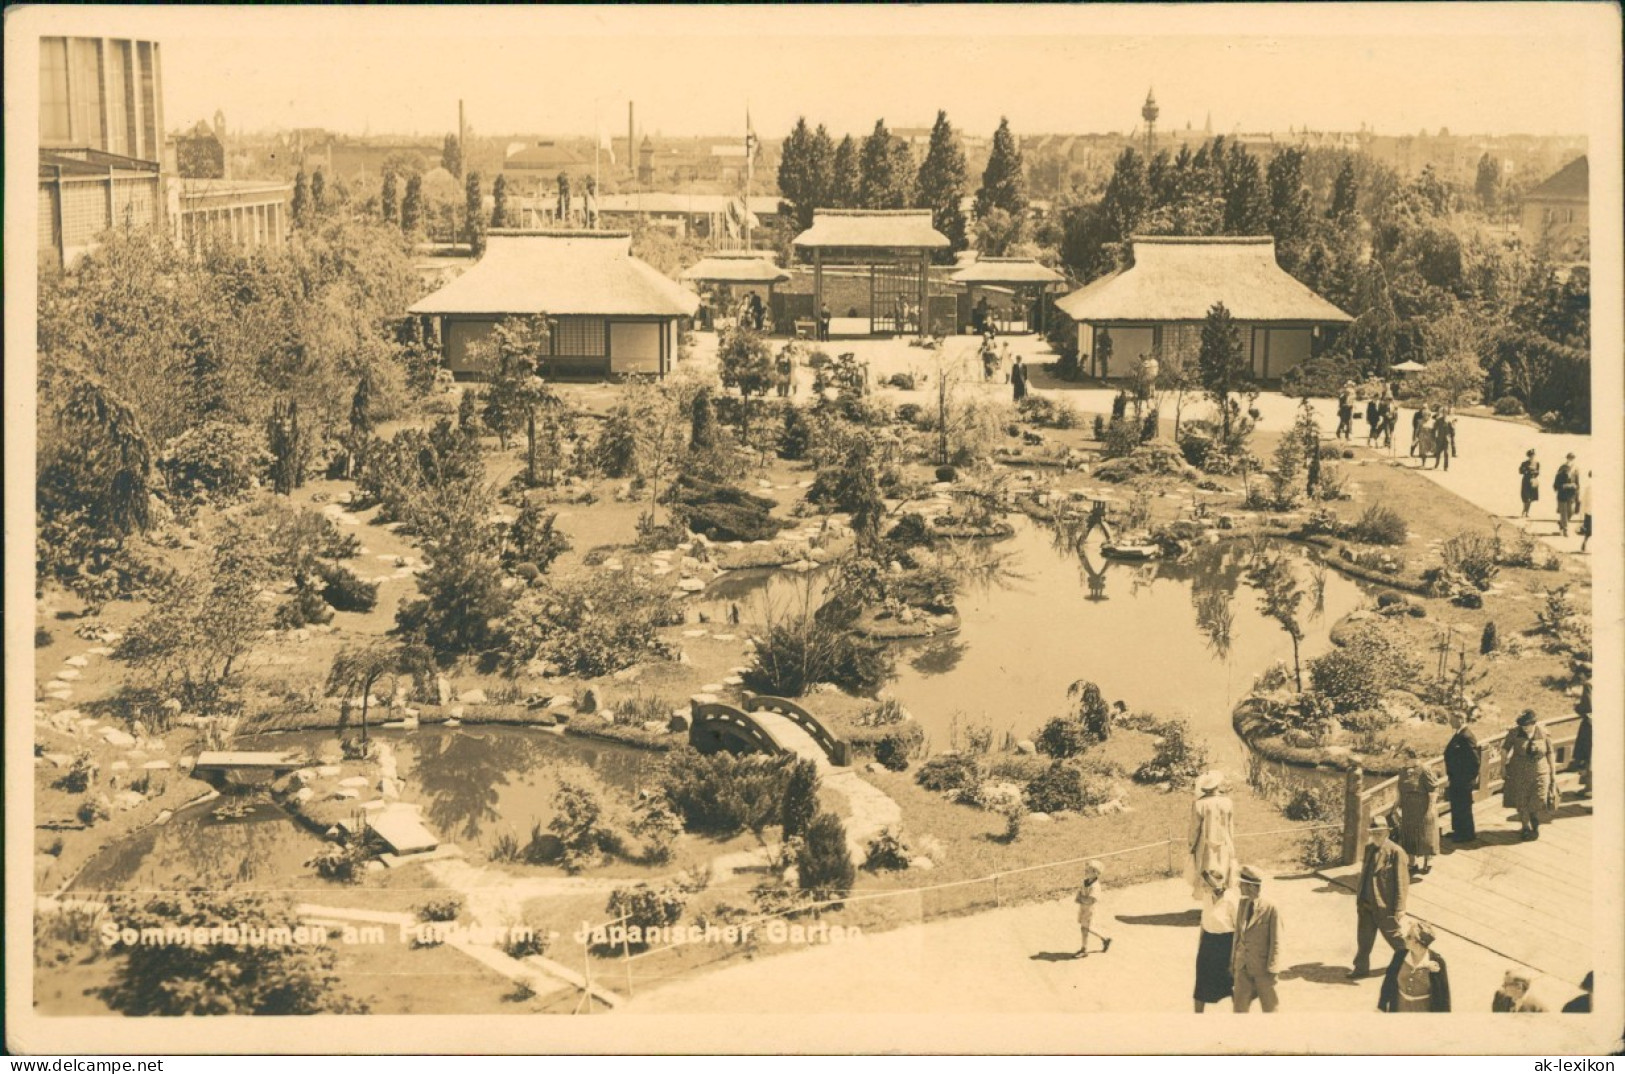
877	911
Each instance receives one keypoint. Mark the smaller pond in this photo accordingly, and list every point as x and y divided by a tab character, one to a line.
1175	637
474	783
260	849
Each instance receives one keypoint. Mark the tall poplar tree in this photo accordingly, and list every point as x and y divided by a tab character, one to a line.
301	197
474	214
499	199
884	174
412	205
843	186
451	155
1004	186
390	198
941	183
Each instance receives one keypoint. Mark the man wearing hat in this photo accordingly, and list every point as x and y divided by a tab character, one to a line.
1256	952
1461	765
1385	884
1567	486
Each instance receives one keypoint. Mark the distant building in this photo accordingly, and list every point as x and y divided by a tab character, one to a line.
243	213
541	162
200	153
611	313
101	140
716	218
1556	214
1157	307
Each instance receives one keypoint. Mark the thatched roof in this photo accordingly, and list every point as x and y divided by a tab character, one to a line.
1179	279
1006	270
1572	182
737	266
561	273
872	229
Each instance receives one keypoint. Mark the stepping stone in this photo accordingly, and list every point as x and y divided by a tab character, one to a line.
711	688
733	680
60	694
100	650
328	770
690	585
77	661
348	793
695	633
156	766
119	766
67	674
114	737
725	637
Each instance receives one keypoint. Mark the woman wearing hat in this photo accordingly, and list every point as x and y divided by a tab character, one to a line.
1419	815
1213	835
1220	901
1417	979
1531	774
1529	489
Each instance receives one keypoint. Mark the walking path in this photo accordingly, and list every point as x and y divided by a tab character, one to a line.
1530	901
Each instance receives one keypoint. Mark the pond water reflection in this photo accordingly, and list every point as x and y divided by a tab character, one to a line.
1176	637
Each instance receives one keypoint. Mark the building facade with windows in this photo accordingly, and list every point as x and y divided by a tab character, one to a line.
1156	307
101	141
610	313
1556	216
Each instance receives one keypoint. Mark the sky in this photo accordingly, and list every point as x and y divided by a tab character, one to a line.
1472	68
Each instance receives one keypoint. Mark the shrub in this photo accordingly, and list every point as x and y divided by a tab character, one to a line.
645	907
912	531
345	591
797	652
894	750
947	473
615	453
533	538
886	851
1059	788
1177	760
1379	524
1319	378
722	512
800	803
341	861
1312	804
448	908
1196	446
659	828
1147	459
588	625
1490	640
215	462
1522	551
1049	413
1509	407
42	637
1369	663
1064	736
1472	556
904	381
951	773
92	811
78	777
724	794
1122	436
824	868
578	821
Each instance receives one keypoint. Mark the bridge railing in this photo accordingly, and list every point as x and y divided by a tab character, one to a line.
837	749
1361	803
709	713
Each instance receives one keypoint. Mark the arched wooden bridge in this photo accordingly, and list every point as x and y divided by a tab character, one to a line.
767	725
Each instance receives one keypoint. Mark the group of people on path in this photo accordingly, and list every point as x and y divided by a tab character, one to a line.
1238	952
1433	436
1381	416
1573	495
993	358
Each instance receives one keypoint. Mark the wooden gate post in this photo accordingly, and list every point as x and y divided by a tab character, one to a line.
1353	815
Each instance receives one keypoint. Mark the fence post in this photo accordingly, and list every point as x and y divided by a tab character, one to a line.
586	966
1353	821
997	899
626	955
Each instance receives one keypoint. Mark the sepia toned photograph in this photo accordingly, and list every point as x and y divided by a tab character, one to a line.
950	529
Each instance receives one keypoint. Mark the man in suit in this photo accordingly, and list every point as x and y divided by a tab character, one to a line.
1256	951
1461	773
1385	884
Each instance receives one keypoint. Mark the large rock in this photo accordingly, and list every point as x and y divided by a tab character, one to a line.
1026	746
475	696
120	739
442	689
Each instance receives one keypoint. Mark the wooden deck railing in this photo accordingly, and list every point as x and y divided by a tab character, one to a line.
1361	803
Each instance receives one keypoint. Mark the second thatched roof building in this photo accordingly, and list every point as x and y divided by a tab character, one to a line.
1156	307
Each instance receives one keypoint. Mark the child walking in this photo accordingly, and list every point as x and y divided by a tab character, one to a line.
1087	895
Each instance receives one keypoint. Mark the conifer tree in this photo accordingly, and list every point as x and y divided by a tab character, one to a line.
499	199
412	205
318	192
1004	186
843	186
884	174
474	214
941	183
301	197
390	198
451	155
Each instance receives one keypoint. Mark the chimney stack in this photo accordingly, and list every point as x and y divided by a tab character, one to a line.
631	143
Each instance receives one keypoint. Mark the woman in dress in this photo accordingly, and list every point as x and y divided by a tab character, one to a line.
1213	835
1417	979
1419	815
1422	445
1220	901
1531	775
1529	488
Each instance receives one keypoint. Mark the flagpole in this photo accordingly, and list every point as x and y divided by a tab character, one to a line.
750	163
597	145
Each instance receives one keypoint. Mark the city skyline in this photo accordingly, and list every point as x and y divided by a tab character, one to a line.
304	68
